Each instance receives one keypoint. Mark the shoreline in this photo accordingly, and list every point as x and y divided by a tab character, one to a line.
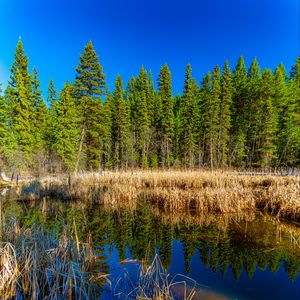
176	191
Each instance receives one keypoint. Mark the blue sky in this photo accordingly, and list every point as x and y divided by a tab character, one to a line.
129	33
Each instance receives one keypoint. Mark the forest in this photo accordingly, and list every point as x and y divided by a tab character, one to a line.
240	117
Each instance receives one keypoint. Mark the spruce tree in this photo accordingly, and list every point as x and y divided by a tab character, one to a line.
151	99
22	118
39	114
90	86
280	105
154	147
130	96
225	115
205	120
20	65
177	130
3	116
52	97
188	139
18	95
253	113
166	125
214	112
197	120
52	126
68	130
120	126
105	117
238	112
291	115
142	118
268	130
3	127
10	156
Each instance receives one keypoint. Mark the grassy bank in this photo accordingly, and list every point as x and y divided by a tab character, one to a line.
176	192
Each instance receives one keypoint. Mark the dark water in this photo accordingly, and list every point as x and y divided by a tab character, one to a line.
249	257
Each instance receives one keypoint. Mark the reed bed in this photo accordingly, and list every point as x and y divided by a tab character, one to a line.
153	283
35	264
176	191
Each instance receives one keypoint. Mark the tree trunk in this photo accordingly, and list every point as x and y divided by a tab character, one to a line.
80	148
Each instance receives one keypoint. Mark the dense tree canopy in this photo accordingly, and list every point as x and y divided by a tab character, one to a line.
238	117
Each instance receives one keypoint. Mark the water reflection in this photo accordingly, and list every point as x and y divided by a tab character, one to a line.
227	245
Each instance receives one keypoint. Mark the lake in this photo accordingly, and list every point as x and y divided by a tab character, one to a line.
224	257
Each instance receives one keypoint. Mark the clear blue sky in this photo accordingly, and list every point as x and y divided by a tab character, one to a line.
129	33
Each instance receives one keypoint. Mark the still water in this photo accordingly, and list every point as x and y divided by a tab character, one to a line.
224	257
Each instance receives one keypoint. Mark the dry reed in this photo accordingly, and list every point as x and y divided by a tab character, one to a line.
153	283
179	191
35	264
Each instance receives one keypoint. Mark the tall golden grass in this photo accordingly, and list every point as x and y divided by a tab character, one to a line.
153	283
36	265
175	191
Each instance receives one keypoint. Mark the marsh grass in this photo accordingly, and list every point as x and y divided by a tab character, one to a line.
35	264
174	191
153	283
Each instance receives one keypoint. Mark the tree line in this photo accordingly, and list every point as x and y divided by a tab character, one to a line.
237	118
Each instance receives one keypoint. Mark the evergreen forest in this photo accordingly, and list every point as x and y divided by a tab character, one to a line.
233	117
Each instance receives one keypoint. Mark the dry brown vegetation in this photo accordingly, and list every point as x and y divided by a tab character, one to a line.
176	192
35	264
153	283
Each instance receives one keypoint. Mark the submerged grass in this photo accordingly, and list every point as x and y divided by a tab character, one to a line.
35	264
196	191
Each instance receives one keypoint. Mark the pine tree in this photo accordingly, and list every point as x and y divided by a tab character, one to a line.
10	157
280	105
20	65
267	134
3	126
52	97
253	113
39	114
188	139
68	133
142	117
90	86
238	112
177	130
22	117
151	99
197	120
290	152
18	95
52	126
157	151
131	109
120	126
225	115
3	116
153	152
214	112
166	124
105	118
205	120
